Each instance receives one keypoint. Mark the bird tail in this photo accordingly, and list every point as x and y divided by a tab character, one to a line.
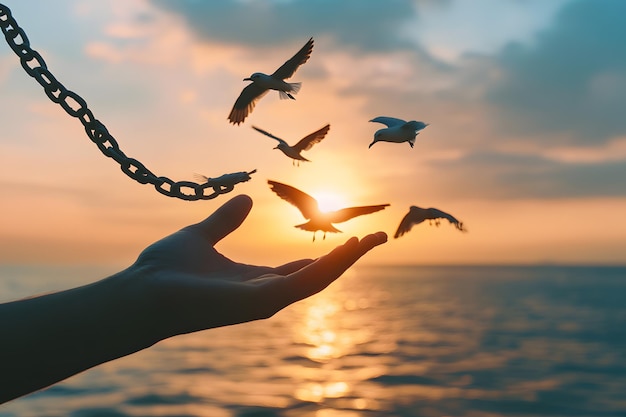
200	177
293	88
312	228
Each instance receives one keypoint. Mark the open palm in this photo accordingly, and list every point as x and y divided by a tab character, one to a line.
195	287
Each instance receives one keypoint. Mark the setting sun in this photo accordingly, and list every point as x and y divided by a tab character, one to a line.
329	201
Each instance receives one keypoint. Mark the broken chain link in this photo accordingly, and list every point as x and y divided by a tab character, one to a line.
76	106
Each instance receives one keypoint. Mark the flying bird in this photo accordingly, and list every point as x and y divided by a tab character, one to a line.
309	208
417	215
226	180
306	143
262	83
397	130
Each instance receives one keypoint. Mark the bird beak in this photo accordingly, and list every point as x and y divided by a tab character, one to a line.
371	144
247	79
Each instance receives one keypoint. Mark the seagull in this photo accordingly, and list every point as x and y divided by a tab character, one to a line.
417	215
304	144
310	210
397	130
226	180
262	83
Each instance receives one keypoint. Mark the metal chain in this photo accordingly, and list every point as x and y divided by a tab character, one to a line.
75	106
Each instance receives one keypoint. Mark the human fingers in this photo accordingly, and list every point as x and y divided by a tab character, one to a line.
243	272
291	267
319	274
225	219
236	302
338	263
253	272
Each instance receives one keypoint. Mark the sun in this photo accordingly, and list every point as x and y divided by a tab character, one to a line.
329	201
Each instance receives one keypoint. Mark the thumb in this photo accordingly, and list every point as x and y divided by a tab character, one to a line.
225	219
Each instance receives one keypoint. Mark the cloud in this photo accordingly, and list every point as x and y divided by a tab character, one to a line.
613	151
571	81
501	175
534	119
7	64
371	26
453	29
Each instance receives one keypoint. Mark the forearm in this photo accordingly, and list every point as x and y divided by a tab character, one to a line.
46	339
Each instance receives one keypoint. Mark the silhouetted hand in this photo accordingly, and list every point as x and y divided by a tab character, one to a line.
179	284
196	288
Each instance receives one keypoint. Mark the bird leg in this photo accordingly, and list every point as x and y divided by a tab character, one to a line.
324	238
313	236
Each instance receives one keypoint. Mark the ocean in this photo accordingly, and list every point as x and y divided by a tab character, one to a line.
381	341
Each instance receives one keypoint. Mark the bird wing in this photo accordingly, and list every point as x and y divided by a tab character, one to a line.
245	103
438	214
345	214
407	223
415	125
388	121
201	177
416	215
307	142
289	68
266	133
304	202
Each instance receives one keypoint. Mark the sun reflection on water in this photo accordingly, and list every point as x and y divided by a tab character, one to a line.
325	331
331	333
317	392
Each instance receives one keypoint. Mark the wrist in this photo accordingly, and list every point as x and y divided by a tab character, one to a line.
133	308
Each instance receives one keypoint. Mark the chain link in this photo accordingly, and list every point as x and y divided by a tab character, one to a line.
74	105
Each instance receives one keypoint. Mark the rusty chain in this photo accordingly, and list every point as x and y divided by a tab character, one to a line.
75	106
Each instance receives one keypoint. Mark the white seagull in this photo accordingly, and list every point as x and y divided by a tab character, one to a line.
309	208
306	143
417	215
262	83
397	130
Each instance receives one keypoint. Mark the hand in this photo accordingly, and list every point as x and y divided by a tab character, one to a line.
196	288
178	285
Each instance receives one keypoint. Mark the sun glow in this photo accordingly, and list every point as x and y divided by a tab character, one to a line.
329	201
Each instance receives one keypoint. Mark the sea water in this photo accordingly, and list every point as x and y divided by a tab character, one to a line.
381	341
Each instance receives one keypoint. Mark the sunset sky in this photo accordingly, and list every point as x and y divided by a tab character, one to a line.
525	100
